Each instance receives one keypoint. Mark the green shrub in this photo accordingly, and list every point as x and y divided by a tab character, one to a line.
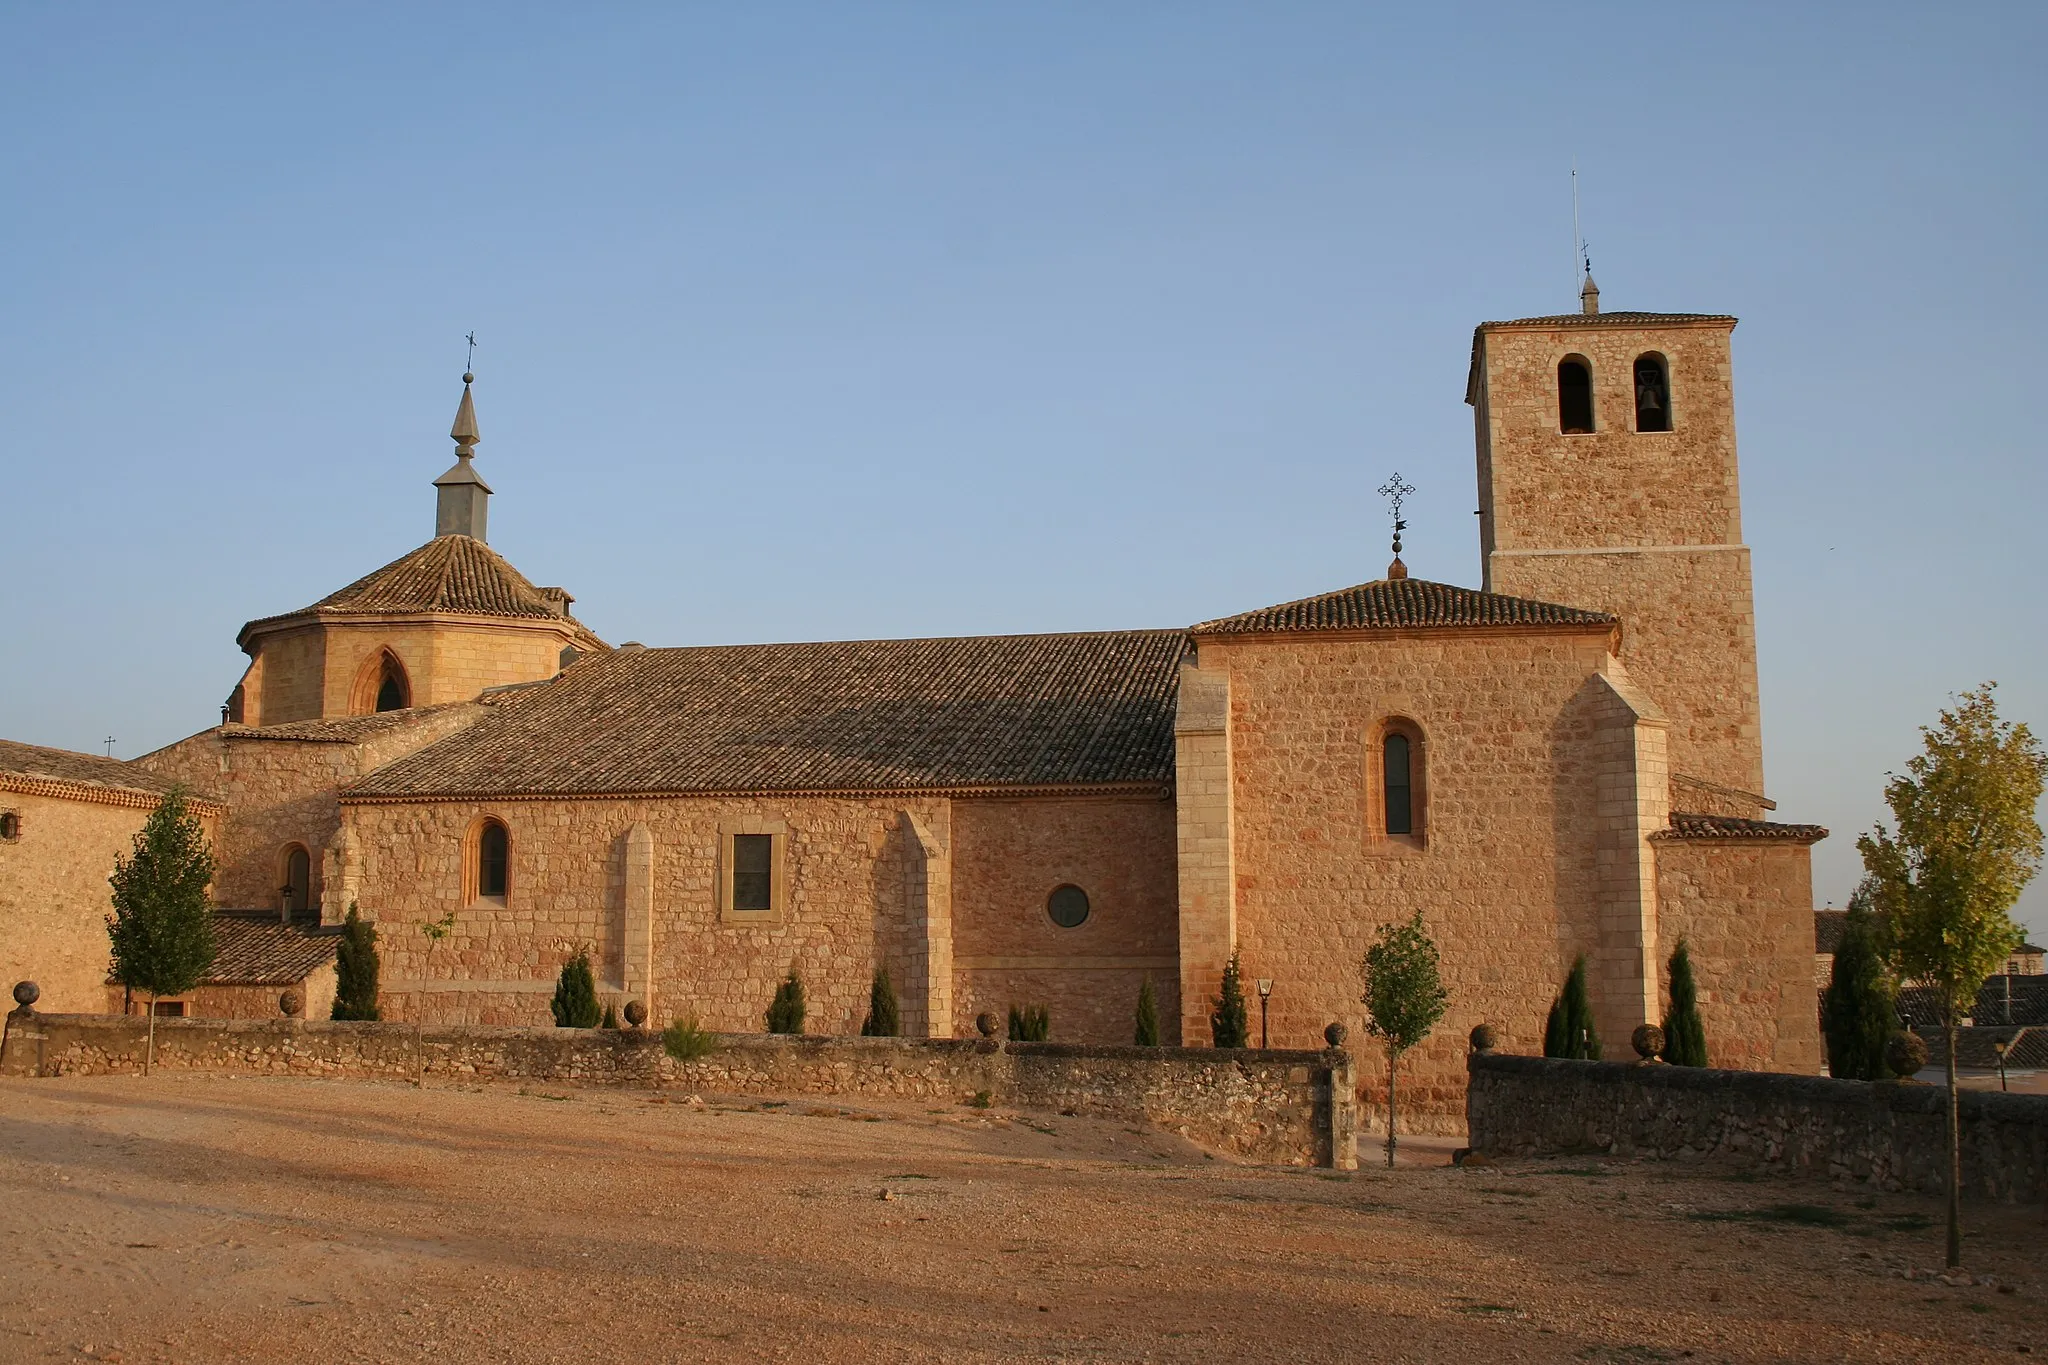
1569	1031
575	1002
1858	1014
786	1010
1685	1036
882	1021
685	1041
1148	1016
611	1016
355	969
1031	1024
1229	1025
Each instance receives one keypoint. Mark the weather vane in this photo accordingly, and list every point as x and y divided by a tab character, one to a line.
469	365
1396	493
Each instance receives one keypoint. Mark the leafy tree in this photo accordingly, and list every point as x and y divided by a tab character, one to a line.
1148	1016
1031	1024
1569	1031
355	969
882	1020
1229	1025
1685	1036
161	931
1404	997
575	1003
1967	843
786	1010
1859	1013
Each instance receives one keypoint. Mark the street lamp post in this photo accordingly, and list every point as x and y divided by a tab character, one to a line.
1265	994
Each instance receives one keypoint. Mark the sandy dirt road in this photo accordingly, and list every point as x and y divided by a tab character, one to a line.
190	1218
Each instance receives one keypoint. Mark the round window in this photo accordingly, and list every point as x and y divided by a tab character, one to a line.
1068	906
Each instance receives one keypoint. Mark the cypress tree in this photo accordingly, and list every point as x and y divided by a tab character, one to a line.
882	1021
611	1016
1685	1036
1148	1016
161	931
575	1002
355	969
1569	1031
1031	1024
1858	1013
1228	1025
786	1010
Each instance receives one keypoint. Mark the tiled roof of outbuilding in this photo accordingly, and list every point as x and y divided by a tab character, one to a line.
33	761
1608	320
981	712
1685	825
1398	603
252	948
1828	927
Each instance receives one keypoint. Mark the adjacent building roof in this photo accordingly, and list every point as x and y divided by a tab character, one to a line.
252	948
1685	825
975	713
340	729
1609	320
455	574
1828	927
61	772
1404	603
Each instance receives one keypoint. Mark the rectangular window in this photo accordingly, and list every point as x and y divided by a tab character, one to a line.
1400	808
170	1009
753	871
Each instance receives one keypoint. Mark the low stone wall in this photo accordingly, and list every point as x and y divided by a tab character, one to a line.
1293	1108
1885	1134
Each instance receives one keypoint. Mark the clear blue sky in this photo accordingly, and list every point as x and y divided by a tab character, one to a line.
855	320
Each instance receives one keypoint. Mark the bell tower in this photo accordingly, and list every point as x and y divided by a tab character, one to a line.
1607	479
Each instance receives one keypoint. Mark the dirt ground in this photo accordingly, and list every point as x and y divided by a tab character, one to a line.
189	1218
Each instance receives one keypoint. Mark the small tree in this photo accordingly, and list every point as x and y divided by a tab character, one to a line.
1229	1025
575	1003
786	1010
1031	1024
161	931
1569	1031
882	1020
1967	843
1859	1013
1685	1035
435	932
1404	997
1147	1034
611	1016
355	969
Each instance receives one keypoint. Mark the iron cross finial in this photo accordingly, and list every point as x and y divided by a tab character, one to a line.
469	365
1396	493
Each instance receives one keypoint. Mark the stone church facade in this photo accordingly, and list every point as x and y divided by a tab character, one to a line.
1564	761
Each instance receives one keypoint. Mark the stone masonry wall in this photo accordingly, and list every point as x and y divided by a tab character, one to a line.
1885	1134
1280	1107
310	671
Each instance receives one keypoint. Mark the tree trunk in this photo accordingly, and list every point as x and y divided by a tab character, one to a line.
1955	1154
1392	1060
149	1049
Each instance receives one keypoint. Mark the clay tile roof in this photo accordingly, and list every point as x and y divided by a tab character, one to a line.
1688	826
339	729
1828	928
252	948
982	712
1608	320
456	574
62	765
1393	604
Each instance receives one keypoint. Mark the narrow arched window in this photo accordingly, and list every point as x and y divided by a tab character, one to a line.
1396	780
392	693
1653	393
493	860
1574	396
297	892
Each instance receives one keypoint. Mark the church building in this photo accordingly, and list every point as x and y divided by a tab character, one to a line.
1566	760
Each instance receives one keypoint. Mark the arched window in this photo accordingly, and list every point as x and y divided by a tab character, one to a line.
381	685
1401	811
1394	778
1574	396
492	868
297	892
1653	393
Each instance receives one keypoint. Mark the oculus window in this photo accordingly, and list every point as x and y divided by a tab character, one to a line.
1068	906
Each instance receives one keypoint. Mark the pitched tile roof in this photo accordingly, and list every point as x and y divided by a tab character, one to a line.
1828	928
1685	825
1607	320
340	729
1403	603
251	948
455	574
981	712
33	762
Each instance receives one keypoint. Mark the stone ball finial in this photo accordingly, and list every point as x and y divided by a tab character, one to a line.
1647	1040
292	1003
985	1024
1482	1038
468	378
1905	1053
636	1013
1334	1034
26	993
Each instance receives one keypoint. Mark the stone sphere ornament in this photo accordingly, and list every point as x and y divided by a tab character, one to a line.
1905	1053
636	1013
1483	1038
1335	1034
1648	1041
26	993
292	1004
985	1024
